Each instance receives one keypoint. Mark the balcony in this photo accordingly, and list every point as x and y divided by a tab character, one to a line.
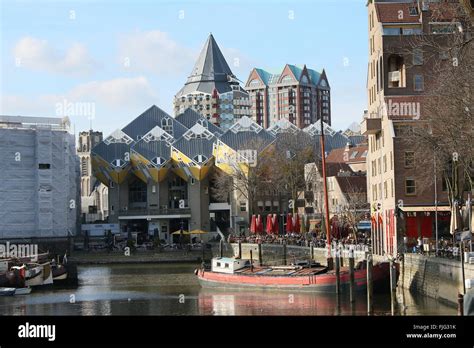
371	126
394	76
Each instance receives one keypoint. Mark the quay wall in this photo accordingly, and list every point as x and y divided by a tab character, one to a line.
438	278
435	277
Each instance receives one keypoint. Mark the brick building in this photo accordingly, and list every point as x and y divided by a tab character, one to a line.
397	83
299	94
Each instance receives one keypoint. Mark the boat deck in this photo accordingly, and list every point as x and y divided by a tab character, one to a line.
270	271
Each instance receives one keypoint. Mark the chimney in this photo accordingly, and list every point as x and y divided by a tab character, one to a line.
348	146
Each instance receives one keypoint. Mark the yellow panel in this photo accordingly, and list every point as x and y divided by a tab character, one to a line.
180	172
159	175
222	153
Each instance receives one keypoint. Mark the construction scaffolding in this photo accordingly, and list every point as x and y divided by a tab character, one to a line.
39	176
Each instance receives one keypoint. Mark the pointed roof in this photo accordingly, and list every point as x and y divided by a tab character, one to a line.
211	64
210	71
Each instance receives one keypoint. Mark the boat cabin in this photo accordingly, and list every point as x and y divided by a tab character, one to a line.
228	264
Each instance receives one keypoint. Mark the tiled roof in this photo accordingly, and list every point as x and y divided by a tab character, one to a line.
354	155
112	151
152	117
272	78
389	12
247	140
332	169
193	147
352	184
190	117
153	149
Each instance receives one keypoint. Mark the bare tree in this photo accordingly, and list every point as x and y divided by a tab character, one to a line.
249	177
444	136
292	152
354	209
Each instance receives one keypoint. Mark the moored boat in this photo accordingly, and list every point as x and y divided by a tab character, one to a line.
22	291
36	274
238	274
59	272
7	291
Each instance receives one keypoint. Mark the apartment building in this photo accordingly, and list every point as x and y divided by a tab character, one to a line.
397	82
298	94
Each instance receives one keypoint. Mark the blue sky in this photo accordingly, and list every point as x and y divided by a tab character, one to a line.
120	57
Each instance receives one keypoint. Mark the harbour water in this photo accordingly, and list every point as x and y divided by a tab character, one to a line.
172	289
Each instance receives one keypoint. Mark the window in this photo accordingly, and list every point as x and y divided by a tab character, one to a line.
418	83
410	187
84	166
137	192
218	264
226	265
391	182
243	206
118	162
44	166
417	56
167	125
413	11
385	163
392	31
385	189
444	28
200	159
158	161
409	159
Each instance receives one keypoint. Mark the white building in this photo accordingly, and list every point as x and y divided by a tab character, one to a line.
39	172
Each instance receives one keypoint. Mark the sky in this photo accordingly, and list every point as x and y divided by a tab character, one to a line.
104	62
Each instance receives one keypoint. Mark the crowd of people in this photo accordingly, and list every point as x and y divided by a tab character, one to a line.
304	239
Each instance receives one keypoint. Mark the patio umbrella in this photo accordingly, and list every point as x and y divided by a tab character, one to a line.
455	219
296	226
198	232
275	225
269	227
289	223
303	224
253	224
259	224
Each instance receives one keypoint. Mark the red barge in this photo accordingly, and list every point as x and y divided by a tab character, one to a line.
240	274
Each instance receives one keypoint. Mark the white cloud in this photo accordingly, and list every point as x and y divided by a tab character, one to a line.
154	51
37	54
118	94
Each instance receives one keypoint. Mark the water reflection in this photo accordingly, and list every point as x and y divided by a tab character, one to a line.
174	290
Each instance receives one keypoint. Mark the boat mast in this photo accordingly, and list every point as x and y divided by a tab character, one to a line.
326	201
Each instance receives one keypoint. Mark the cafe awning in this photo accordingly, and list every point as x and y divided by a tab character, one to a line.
190	232
425	208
